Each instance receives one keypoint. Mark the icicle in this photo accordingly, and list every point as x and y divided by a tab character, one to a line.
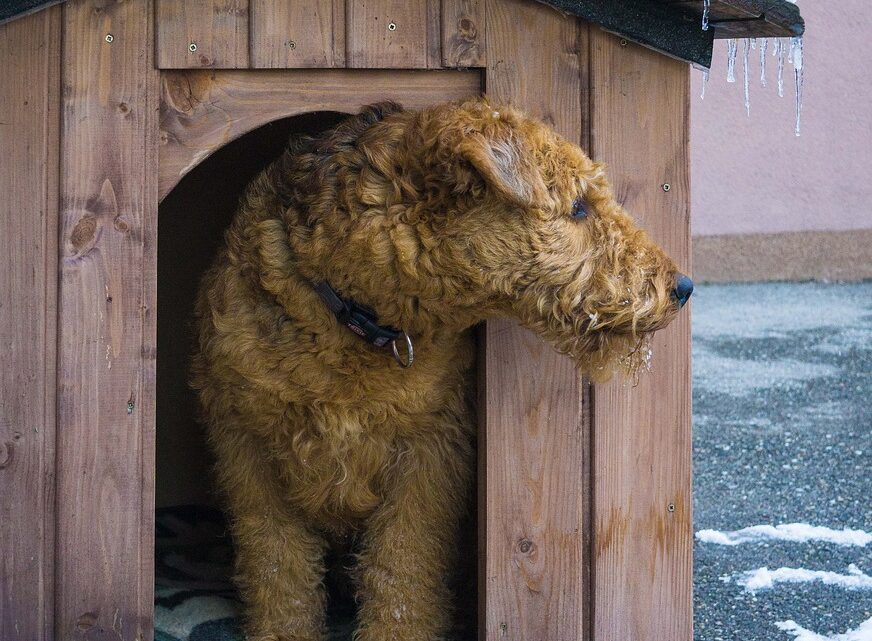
705	76
763	45
745	54
797	75
706	5
753	43
731	59
780	46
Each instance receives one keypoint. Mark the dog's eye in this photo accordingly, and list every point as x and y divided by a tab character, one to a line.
579	209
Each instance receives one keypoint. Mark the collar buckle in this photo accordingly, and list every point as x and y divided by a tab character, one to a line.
363	321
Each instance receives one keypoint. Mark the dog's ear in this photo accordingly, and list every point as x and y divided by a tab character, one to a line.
505	162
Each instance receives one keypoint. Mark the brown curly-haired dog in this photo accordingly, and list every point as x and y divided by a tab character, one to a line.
435	220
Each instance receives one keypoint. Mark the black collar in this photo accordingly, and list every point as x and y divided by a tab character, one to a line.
363	321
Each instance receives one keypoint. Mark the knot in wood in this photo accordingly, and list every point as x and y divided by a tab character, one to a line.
6	452
86	621
525	546
467	29
83	233
121	225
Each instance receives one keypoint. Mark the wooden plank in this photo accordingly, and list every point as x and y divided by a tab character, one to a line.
289	35
463	33
202	33
104	570
387	34
532	426
339	44
29	115
643	537
202	111
434	34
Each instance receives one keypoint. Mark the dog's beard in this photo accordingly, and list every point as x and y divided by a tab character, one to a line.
606	332
599	353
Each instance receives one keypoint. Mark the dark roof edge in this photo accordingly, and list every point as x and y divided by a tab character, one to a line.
11	9
770	18
674	27
668	29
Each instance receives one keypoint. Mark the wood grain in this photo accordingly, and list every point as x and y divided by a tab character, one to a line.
293	34
373	44
464	31
530	412
339	39
216	30
202	111
642	435
29	115
105	467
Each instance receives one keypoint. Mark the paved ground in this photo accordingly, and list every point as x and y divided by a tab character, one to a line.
782	434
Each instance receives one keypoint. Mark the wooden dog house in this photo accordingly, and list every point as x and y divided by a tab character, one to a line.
585	491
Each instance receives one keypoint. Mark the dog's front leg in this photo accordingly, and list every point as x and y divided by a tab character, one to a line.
279	559
410	545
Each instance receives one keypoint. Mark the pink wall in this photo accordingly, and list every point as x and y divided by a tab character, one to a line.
751	175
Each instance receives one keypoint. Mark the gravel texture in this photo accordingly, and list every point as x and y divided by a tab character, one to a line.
782	434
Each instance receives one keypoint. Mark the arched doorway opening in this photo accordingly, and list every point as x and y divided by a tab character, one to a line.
194	596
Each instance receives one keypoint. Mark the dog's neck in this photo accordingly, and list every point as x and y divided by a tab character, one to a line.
385	270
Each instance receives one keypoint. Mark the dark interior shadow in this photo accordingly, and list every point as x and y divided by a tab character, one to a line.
191	224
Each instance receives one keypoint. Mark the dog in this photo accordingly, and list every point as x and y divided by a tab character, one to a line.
334	357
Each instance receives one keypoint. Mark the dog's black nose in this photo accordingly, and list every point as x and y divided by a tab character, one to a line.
683	289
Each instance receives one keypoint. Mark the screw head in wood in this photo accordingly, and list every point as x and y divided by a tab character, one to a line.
623	42
290	44
670	507
192	47
665	187
109	37
392	26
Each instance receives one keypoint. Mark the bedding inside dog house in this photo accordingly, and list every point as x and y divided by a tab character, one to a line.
128	130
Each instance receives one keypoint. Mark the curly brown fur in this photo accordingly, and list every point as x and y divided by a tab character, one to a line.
437	220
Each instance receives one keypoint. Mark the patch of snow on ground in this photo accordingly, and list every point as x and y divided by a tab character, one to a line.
846	339
863	633
774	310
794	532
765	579
738	377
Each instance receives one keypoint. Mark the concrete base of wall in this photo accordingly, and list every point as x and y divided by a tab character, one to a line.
816	255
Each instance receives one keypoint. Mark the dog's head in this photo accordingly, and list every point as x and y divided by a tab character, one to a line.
489	212
536	220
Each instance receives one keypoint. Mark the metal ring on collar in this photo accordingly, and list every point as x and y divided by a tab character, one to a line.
410	351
